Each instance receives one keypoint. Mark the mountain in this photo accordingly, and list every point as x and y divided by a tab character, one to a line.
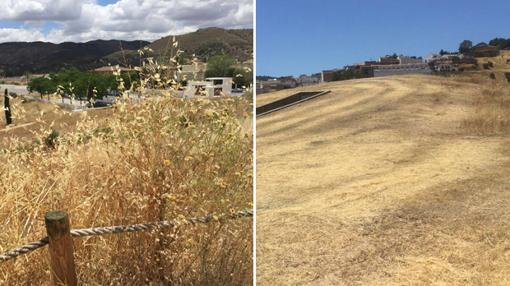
40	57
211	41
202	43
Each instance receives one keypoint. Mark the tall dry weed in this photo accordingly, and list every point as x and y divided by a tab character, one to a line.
160	159
491	110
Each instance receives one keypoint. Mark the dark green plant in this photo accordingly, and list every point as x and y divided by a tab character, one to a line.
465	46
220	66
51	140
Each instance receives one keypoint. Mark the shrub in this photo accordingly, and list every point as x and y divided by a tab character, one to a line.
51	139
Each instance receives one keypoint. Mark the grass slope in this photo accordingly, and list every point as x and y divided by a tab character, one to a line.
386	181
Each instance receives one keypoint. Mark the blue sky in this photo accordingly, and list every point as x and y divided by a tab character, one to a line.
302	37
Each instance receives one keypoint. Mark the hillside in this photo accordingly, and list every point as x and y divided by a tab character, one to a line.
210	41
40	57
386	181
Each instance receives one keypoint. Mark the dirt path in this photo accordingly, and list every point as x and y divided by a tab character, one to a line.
376	183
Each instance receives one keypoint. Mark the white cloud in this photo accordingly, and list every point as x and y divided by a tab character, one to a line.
21	35
83	20
37	10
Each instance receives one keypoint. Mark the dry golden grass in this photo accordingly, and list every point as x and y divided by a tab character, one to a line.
381	182
164	158
492	111
32	116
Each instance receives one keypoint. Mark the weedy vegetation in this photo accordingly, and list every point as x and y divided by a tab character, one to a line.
162	158
491	108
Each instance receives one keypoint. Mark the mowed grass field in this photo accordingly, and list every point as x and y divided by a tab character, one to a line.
386	181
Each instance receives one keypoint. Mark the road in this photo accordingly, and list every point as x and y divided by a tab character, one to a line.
18	89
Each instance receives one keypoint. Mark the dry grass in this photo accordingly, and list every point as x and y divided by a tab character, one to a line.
162	159
32	116
491	111
380	183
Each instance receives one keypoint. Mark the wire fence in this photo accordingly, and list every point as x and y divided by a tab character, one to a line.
23	249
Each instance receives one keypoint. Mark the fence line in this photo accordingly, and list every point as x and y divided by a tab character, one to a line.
121	229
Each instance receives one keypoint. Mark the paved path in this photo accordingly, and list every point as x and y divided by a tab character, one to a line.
18	89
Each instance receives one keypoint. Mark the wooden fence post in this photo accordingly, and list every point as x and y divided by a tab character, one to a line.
60	248
7	108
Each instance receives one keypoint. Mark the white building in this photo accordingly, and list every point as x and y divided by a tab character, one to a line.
386	70
404	60
211	87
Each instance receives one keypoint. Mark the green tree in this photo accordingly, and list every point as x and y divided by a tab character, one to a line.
501	43
465	46
220	66
242	76
42	85
83	84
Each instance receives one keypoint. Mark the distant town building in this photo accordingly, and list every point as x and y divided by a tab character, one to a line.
371	63
328	75
404	60
210	87
388	60
288	81
451	62
304	79
269	85
401	69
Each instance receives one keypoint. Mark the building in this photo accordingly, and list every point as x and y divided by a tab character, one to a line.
404	60
388	60
371	63
451	62
288	81
328	75
304	79
416	68
263	86
275	84
210	87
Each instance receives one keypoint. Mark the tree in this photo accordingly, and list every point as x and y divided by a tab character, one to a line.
501	43
465	46
42	85
220	66
242	76
80	84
